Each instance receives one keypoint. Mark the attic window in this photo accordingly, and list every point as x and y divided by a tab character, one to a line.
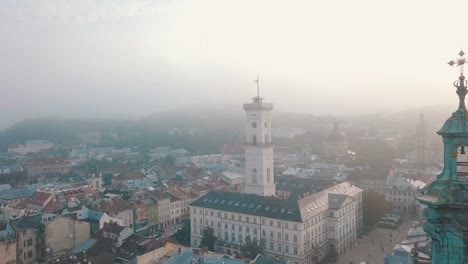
230	202
282	210
289	211
223	201
251	205
236	204
259	206
267	208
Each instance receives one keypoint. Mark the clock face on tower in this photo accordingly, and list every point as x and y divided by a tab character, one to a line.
254	124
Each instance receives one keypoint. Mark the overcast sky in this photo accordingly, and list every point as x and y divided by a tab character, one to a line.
111	58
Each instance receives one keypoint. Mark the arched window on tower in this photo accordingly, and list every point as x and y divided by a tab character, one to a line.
254	176
462	164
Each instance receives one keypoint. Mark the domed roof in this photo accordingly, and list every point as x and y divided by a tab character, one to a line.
336	135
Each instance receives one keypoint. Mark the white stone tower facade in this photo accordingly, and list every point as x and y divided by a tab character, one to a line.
259	174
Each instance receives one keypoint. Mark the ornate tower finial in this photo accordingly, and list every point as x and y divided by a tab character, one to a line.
461	83
257	99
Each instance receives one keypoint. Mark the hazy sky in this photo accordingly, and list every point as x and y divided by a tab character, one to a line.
132	57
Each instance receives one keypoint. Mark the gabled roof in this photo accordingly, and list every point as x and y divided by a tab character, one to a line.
112	206
39	198
335	201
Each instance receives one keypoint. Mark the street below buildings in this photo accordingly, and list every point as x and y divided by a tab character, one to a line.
171	231
374	246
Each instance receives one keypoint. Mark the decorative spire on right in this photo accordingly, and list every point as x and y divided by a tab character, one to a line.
461	83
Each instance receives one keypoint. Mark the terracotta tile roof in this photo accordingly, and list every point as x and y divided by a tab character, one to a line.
158	195
177	192
42	161
112	206
39	198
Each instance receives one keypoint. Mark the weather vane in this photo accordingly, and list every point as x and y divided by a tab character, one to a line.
459	62
461	83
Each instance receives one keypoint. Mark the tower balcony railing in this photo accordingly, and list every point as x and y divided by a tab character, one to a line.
267	144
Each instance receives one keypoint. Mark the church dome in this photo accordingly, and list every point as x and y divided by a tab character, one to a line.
336	135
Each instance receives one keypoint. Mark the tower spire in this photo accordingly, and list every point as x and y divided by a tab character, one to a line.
461	83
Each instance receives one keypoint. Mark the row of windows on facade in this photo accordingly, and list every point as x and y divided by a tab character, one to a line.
247	220
343	230
254	139
247	231
317	234
393	192
308	223
403	200
174	205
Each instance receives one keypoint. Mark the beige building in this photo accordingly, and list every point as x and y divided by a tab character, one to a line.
327	220
62	234
164	209
8	251
29	239
42	166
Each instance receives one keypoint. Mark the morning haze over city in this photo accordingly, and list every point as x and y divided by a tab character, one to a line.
229	132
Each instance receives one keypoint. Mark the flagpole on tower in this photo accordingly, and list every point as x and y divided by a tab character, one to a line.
258	86
257	99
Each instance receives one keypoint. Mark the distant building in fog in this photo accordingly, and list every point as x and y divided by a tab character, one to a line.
336	144
31	146
422	154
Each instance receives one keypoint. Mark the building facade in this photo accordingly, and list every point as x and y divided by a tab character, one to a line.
62	234
42	166
336	144
293	229
31	146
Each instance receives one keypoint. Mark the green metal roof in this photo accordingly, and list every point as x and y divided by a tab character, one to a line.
456	124
251	204
27	222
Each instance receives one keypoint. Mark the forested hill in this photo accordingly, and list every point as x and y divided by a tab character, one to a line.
205	130
199	130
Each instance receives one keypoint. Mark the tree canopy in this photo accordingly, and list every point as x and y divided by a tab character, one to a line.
374	207
252	247
208	239
183	234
